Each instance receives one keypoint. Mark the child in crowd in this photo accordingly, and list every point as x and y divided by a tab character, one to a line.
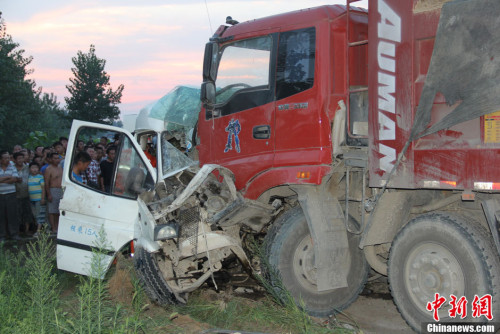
36	189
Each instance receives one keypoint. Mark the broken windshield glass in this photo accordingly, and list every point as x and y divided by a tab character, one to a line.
173	160
178	109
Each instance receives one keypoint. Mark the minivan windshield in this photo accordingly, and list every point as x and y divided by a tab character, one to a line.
173	159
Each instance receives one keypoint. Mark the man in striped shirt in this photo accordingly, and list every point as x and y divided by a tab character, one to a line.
36	189
8	203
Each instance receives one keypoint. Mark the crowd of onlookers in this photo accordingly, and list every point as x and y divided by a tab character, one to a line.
30	182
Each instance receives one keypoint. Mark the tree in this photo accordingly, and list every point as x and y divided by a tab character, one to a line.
23	107
118	124
17	93
54	121
92	98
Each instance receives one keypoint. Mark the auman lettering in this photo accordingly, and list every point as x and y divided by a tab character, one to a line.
386	89
389	33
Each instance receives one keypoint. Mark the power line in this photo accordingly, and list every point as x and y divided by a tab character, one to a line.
209	21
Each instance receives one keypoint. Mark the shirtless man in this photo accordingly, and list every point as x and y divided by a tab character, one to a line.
53	178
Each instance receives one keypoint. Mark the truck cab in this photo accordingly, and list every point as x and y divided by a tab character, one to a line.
271	116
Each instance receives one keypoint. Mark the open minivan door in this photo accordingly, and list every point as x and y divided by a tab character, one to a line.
87	208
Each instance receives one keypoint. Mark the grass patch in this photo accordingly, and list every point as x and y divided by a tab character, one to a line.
28	289
97	310
37	298
42	286
227	311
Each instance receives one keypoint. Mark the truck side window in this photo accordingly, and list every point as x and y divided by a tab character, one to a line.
244	64
132	176
295	69
244	78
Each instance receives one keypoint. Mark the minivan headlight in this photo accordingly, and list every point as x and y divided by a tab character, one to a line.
166	231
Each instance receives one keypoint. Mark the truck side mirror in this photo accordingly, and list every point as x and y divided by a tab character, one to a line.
207	94
210	61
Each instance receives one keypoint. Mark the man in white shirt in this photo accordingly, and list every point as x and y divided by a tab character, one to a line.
8	203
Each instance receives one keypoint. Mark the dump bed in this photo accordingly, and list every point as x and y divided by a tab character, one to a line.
433	87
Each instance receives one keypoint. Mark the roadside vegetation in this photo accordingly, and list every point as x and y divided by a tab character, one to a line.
37	298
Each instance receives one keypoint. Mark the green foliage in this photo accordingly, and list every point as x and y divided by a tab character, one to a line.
139	304
23	107
236	313
28	289
16	92
96	313
94	309
30	295
92	98
36	138
12	304
42	285
51	119
118	123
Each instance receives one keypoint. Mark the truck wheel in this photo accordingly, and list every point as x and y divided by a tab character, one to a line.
289	263
152	281
445	254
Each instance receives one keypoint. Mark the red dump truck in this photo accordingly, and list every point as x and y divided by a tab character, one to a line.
345	139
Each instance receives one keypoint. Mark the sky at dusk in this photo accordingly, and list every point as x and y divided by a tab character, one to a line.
150	46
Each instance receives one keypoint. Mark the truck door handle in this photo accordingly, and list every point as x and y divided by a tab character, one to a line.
261	132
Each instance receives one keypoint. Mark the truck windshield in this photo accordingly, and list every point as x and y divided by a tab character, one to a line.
243	65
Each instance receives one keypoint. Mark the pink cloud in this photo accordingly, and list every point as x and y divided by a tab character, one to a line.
149	47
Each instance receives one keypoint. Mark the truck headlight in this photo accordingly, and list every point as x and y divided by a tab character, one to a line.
166	231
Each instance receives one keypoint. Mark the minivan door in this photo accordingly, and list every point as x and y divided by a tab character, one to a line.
92	216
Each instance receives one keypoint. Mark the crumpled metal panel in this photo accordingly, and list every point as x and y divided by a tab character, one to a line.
465	65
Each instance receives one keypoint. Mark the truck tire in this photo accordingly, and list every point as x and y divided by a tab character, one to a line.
445	254
288	263
150	276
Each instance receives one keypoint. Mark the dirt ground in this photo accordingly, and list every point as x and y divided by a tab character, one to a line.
375	312
372	312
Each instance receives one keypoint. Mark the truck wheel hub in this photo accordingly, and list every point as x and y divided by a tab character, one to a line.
431	280
431	269
303	264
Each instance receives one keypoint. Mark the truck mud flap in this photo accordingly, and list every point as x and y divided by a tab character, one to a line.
325	218
491	209
385	221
